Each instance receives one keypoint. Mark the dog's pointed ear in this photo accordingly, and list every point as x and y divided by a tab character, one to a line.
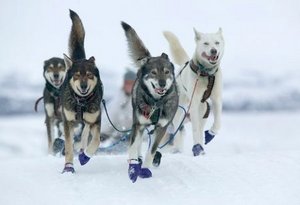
68	62
45	63
220	31
92	59
165	56
197	35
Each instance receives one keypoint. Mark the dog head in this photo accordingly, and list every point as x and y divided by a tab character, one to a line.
209	48
156	73
83	75
55	71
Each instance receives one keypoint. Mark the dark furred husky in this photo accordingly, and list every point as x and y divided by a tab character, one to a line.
54	74
154	101
81	97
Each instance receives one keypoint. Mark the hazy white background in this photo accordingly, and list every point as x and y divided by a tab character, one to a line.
259	34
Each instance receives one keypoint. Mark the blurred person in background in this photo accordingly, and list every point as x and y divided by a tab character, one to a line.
120	113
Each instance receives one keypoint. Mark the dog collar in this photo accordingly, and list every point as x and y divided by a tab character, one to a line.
200	69
55	92
151	108
81	103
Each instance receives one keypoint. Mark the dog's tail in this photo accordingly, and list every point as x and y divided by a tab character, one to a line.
137	49
76	39
178	53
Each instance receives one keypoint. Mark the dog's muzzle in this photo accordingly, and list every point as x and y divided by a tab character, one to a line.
159	91
212	59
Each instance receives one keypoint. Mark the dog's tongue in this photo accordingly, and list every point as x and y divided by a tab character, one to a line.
57	82
159	90
213	57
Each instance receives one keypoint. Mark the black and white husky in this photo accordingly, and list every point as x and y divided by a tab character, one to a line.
154	101
81	97
199	80
54	74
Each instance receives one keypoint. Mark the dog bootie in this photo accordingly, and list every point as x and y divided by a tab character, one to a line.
83	158
209	136
68	168
145	173
197	149
156	159
134	171
58	145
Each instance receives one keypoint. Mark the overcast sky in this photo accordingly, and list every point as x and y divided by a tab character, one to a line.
259	35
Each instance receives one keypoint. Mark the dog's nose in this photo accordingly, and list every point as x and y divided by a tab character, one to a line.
56	75
162	83
83	86
213	51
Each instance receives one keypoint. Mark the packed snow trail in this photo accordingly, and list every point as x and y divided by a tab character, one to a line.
244	164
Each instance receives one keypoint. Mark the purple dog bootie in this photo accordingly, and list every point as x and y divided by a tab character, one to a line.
145	173
83	158
209	136
197	149
68	168
134	171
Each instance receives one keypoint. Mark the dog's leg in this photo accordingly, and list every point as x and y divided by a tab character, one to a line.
50	131
159	133
216	99
134	152
49	109
196	113
85	135
69	132
135	142
177	145
85	156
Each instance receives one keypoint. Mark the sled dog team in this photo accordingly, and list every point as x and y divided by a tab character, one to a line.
73	93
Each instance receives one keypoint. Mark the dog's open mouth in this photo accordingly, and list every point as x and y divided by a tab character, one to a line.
56	82
83	92
159	91
212	59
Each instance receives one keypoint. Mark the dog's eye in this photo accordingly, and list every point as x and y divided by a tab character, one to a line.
217	43
167	72
206	43
76	76
153	72
90	75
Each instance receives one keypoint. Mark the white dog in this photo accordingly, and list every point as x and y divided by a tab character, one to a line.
199	79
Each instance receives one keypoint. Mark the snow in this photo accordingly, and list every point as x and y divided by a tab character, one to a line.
254	160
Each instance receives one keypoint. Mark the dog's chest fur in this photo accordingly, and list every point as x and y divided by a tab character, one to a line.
52	102
89	109
165	107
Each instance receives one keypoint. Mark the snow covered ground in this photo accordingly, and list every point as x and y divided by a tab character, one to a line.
254	160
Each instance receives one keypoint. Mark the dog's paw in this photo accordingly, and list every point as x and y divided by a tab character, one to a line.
197	150
157	159
140	160
134	171
145	173
68	168
83	158
58	145
208	136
